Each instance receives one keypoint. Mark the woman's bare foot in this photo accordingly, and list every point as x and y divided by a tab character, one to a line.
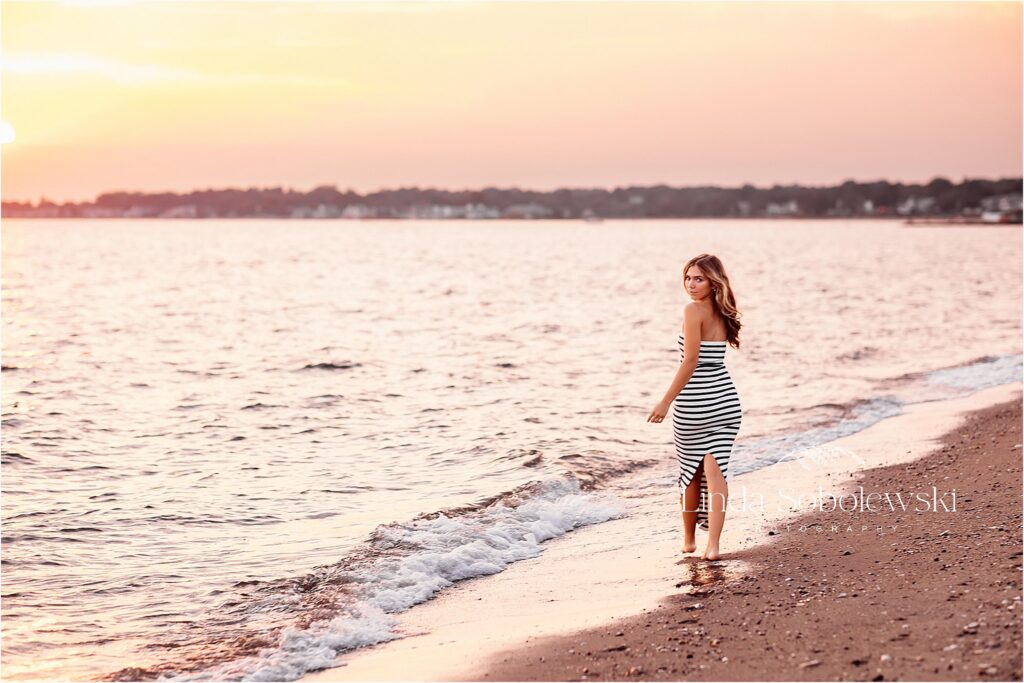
711	553
689	545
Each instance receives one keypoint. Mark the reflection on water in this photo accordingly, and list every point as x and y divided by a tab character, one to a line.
206	422
698	574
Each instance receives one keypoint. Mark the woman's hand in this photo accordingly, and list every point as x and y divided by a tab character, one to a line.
659	412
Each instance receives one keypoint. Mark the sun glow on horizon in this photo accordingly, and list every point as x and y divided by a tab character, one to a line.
6	132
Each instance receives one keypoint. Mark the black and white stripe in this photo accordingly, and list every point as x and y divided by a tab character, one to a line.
706	417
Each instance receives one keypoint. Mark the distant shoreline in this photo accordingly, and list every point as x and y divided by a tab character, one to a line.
1002	222
985	201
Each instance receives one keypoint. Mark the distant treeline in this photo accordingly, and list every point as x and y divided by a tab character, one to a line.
938	197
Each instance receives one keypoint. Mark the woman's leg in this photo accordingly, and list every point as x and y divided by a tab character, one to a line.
718	494
689	504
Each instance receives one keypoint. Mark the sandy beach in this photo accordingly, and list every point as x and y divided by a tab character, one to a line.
619	600
930	597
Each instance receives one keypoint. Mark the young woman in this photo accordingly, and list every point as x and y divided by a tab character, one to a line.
705	407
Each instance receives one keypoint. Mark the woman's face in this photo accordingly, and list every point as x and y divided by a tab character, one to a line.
697	286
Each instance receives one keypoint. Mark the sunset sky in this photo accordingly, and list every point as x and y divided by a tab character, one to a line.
173	96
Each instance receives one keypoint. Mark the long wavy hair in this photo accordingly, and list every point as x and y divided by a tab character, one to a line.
722	298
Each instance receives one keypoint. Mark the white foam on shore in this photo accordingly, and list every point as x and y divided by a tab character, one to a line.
628	565
441	551
936	385
978	375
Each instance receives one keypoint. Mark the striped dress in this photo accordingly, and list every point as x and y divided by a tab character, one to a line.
706	417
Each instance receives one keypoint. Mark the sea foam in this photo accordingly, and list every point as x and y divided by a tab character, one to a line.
441	551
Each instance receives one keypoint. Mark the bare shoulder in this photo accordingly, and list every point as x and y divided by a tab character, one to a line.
692	314
694	311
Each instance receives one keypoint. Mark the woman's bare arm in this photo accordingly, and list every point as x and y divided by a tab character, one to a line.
691	348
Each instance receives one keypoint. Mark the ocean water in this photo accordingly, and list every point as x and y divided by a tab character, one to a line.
236	449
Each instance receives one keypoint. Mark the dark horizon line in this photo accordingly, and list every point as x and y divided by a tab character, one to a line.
964	179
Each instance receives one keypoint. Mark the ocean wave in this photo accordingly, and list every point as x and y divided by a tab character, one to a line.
350	604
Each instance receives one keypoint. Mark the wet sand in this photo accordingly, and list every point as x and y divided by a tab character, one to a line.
928	596
554	616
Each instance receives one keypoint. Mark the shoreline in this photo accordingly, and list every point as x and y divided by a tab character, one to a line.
625	568
937	598
902	220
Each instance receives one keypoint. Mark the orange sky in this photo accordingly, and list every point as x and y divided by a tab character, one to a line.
107	95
